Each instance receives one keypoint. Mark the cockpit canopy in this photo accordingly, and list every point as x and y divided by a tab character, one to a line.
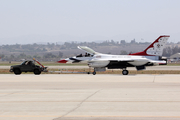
87	49
89	52
86	55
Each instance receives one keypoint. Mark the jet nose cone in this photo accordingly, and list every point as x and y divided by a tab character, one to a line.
62	61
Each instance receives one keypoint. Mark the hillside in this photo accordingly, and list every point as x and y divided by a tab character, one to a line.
54	51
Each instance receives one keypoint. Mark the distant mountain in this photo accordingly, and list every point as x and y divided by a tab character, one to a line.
60	39
29	39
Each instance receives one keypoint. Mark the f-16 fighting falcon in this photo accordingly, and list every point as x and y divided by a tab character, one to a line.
151	56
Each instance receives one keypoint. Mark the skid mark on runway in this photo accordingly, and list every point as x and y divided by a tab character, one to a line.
79	105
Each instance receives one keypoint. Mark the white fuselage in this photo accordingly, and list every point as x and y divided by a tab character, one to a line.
102	60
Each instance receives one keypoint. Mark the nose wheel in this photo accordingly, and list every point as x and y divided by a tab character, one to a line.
94	73
125	72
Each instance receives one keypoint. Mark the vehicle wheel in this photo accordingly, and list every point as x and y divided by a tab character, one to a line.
88	72
17	71
125	72
37	72
94	73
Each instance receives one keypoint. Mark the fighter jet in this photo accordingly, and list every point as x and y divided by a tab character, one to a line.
151	56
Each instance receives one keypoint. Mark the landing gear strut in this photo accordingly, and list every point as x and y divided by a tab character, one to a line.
125	72
94	72
89	71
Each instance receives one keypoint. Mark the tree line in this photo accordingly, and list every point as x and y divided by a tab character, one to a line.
51	51
45	57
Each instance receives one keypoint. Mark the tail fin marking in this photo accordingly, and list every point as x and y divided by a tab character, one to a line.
156	48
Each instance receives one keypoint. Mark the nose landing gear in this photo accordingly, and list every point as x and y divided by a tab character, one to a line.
94	73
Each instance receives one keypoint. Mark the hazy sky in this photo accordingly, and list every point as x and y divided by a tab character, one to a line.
109	19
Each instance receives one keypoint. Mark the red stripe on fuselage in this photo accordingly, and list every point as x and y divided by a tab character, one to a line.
62	61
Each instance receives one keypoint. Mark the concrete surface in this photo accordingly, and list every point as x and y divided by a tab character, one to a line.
89	97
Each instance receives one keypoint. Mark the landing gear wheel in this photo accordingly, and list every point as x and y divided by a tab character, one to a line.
94	73
89	71
125	72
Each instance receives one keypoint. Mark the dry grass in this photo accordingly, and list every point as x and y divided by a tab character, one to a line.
2	63
81	71
43	63
120	71
4	71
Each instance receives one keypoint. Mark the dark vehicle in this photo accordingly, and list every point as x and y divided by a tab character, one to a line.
27	66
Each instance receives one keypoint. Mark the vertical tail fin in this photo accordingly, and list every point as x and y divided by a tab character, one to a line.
156	48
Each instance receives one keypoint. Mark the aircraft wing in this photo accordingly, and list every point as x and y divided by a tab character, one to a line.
140	60
87	49
135	60
127	60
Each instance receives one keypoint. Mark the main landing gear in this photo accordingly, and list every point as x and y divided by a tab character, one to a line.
125	72
94	72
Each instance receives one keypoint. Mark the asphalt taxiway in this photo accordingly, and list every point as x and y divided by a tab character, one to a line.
99	97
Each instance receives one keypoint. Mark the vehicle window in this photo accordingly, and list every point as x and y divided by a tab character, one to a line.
29	63
23	63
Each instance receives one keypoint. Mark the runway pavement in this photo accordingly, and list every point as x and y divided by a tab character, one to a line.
89	97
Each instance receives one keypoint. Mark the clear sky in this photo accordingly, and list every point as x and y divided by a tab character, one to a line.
96	19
